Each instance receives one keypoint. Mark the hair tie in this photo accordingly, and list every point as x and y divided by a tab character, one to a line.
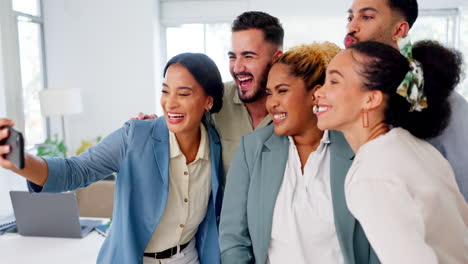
412	86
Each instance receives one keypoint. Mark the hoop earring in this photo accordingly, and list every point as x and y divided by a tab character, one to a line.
365	118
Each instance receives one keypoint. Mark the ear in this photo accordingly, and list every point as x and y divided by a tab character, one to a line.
401	29
209	103
277	54
313	90
374	100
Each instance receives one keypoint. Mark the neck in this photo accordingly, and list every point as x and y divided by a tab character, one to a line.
307	142
356	140
189	143
257	111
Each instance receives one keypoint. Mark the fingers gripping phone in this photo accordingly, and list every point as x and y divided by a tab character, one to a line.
15	140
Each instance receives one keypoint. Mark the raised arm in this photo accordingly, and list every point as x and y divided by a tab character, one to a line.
59	174
235	242
35	169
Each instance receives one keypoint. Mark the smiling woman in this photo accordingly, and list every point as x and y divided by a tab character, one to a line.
284	200
167	195
399	187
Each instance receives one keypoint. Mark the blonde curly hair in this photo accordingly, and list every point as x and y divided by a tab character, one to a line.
309	62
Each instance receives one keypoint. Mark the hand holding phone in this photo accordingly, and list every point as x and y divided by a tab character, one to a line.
16	142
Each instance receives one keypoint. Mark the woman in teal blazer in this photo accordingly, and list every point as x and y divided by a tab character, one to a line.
139	153
258	167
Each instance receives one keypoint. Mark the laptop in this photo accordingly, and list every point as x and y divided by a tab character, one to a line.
49	214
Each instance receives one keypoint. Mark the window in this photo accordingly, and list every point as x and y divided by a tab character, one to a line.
30	38
211	39
463	47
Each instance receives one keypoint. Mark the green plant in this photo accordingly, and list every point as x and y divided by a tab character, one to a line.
52	148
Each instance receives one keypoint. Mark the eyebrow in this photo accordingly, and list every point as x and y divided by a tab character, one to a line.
230	53
336	72
279	86
180	88
364	9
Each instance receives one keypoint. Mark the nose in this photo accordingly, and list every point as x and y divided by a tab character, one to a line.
170	101
239	66
353	26
319	93
271	103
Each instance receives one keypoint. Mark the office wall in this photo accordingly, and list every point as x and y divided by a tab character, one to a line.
108	49
112	49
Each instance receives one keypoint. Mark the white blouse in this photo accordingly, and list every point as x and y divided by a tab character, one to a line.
404	194
303	228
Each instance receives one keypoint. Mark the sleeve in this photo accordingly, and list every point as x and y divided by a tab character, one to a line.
95	164
235	242
390	219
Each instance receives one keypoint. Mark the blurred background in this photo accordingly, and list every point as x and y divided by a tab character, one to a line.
113	52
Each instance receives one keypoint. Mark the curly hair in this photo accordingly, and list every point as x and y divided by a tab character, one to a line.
383	68
205	72
270	25
309	62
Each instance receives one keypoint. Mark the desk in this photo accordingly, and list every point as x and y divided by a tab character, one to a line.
18	249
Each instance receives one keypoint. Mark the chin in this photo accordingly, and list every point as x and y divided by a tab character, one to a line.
323	126
280	131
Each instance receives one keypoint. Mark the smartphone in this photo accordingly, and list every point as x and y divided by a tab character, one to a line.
15	140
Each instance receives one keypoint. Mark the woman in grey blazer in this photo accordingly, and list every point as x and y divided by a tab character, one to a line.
285	183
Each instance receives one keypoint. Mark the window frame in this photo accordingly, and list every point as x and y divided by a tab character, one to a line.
39	20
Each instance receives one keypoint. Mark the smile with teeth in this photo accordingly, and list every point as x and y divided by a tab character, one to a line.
279	116
175	116
243	79
320	109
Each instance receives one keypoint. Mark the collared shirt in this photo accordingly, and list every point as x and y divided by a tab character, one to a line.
187	201
303	228
233	122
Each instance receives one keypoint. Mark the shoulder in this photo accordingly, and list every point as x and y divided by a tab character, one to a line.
459	107
229	88
260	136
457	101
398	152
392	142
146	127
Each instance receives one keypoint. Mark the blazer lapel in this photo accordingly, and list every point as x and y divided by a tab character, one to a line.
161	148
340	161
273	163
215	156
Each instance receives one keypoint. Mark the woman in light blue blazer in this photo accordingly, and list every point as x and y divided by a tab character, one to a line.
268	216
145	155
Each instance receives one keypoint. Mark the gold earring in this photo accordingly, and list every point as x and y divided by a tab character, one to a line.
365	118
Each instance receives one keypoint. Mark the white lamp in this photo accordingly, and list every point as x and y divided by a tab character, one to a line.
60	102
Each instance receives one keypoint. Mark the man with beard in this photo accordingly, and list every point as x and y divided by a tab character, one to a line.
387	21
257	38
